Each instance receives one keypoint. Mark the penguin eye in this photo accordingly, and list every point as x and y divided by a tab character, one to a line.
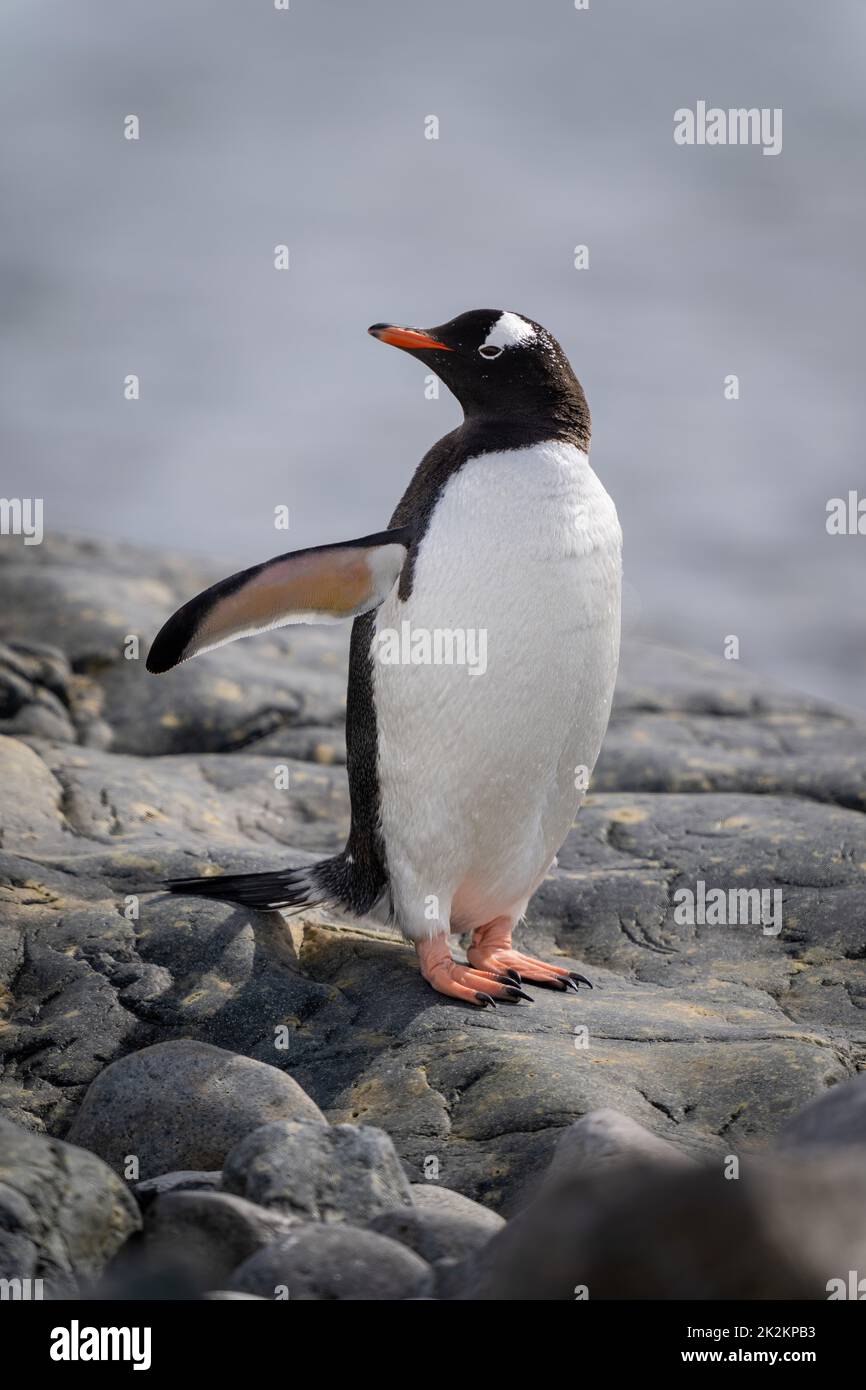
490	351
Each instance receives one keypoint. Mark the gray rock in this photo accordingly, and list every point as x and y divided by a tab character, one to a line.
448	1230
313	1172
443	1201
687	722
63	1213
328	1263
35	693
604	1138
212	1232
86	598
437	1235
42	697
835	1120
182	1104
135	1276
191	1181
226	1296
711	1037
779	1231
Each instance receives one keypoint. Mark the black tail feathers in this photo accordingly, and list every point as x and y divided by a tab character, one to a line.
334	882
287	888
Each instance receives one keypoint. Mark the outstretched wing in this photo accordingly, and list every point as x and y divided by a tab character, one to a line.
321	585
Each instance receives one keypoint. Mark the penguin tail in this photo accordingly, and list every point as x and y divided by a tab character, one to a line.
285	888
332	882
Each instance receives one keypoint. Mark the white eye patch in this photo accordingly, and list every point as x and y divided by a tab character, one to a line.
509	330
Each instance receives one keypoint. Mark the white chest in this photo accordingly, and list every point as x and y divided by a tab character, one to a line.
477	759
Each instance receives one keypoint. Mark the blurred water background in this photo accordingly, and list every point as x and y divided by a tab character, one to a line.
306	127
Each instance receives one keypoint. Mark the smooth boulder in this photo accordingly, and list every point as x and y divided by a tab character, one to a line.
182	1105
441	1225
836	1120
334	1264
604	1138
212	1232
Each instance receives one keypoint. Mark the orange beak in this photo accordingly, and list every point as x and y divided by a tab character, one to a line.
412	339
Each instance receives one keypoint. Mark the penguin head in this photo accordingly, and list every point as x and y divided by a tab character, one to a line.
497	363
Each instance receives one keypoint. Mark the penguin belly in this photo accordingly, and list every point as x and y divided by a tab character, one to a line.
481	764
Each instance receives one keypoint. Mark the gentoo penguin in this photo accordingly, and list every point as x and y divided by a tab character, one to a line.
465	776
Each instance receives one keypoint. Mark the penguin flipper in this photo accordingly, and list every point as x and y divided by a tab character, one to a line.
321	585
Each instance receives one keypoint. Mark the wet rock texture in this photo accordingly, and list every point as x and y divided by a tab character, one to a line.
707	1041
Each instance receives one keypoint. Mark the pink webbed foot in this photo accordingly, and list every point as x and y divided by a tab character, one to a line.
491	950
482	987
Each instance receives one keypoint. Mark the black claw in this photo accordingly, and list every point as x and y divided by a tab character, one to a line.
512	992
558	983
513	975
485	999
579	979
569	984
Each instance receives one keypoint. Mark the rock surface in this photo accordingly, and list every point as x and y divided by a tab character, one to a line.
603	1139
190	1180
836	1120
710	1037
226	1295
777	1231
316	1172
438	1234
212	1232
63	1213
328	1263
182	1105
442	1201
